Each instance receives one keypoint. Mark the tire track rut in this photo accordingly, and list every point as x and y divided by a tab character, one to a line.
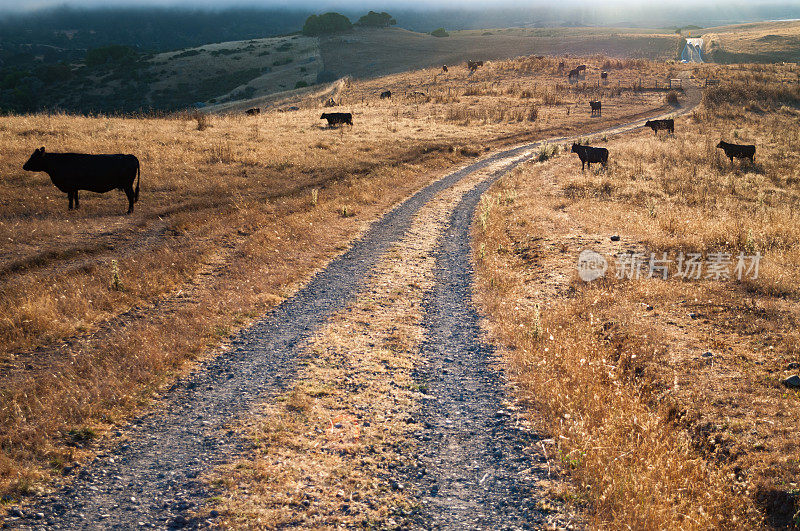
151	478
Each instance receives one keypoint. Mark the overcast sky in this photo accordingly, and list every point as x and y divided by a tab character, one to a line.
26	5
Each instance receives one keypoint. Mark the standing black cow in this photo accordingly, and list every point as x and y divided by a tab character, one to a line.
657	125
71	172
738	150
444	68
335	118
597	108
589	154
253	111
386	94
474	65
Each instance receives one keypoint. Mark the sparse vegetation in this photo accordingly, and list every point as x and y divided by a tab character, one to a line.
223	231
664	396
440	32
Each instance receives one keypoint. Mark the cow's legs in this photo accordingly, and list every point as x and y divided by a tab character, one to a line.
77	203
69	196
130	194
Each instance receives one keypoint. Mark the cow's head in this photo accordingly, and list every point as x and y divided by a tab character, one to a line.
36	162
575	147
721	144
324	115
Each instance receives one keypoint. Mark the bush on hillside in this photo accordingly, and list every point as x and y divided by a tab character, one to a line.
376	20
326	24
440	32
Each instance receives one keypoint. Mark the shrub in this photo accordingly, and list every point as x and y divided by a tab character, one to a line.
376	20
326	23
300	84
672	98
440	32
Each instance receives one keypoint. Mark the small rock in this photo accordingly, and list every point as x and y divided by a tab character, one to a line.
39	516
16	512
708	354
434	490
793	365
213	513
792	382
615	238
693	315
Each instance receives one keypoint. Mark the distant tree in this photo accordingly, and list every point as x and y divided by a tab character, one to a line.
326	24
376	20
440	32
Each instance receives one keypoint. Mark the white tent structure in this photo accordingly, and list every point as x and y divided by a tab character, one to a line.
692	51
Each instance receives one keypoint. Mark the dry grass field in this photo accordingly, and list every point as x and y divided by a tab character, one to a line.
371	53
665	396
100	310
762	42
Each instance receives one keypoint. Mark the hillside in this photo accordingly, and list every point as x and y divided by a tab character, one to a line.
255	68
763	42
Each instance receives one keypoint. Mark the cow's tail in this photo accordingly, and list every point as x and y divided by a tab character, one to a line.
138	178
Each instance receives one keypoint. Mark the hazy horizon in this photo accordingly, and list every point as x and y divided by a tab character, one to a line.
466	14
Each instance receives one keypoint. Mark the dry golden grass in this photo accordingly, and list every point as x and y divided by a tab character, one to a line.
758	42
235	212
658	433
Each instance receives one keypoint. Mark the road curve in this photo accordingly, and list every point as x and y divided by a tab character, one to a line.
151	479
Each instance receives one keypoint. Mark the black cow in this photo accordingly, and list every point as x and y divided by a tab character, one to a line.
589	154
597	108
657	125
738	150
574	73
474	65
335	118
603	75
386	94
253	111
71	172
581	68
444	68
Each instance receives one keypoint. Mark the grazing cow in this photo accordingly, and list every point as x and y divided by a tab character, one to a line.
738	150
71	172
589	154
581	68
386	94
253	111
444	68
574	74
335	118
597	109
474	65
657	125
603	75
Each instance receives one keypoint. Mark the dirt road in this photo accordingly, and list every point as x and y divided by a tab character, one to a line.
479	460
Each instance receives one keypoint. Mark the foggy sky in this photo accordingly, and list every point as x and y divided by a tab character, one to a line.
323	5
